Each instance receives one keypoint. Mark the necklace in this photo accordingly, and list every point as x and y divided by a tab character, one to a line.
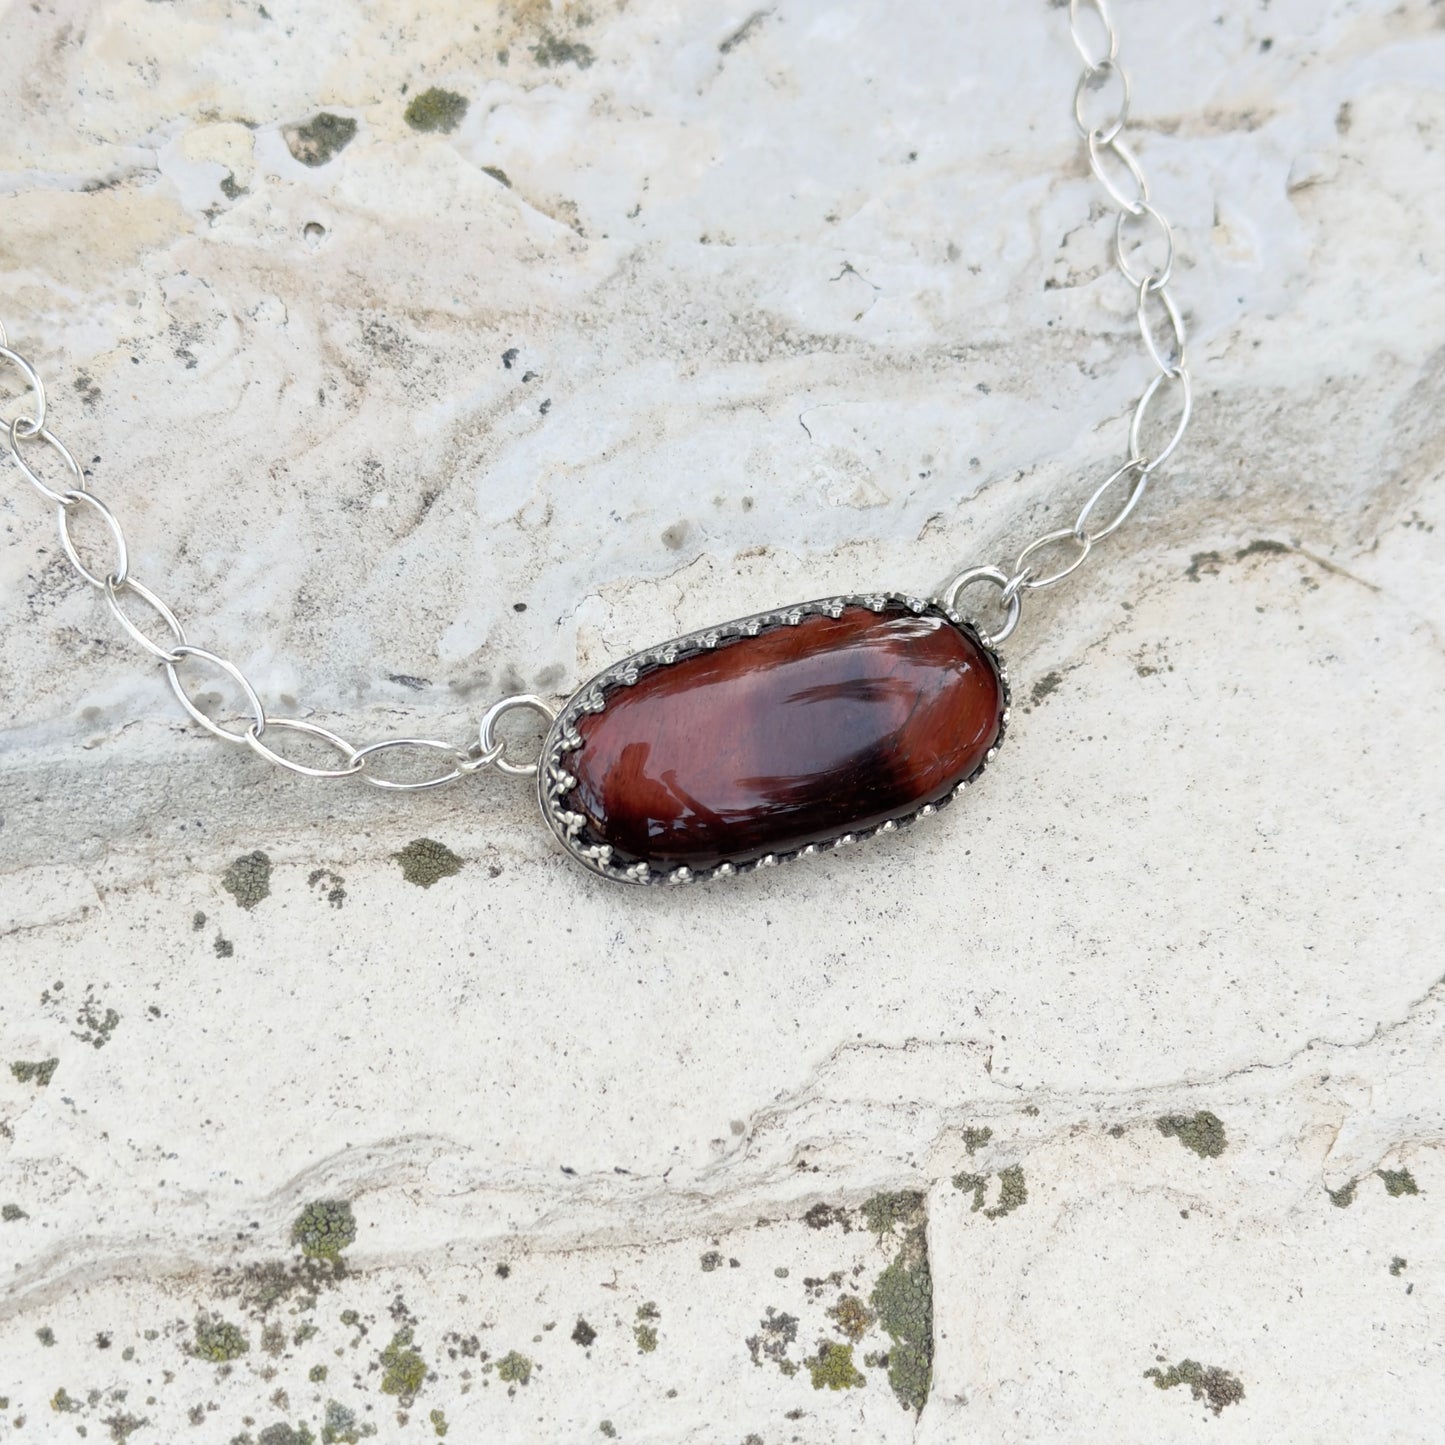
761	740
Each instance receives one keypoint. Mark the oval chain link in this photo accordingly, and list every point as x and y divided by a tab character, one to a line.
1161	329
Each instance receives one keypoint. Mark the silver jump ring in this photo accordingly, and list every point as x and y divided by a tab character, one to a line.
354	761
948	599
258	713
33	381
16	436
62	516
487	732
1160	279
1136	427
113	591
431	744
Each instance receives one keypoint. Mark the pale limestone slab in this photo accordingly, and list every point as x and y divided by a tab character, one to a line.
699	311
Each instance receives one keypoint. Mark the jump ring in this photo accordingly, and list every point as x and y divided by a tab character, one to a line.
486	734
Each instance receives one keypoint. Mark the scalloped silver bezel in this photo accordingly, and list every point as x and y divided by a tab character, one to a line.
555	781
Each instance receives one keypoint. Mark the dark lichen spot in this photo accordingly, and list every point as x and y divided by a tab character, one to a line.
1398	1182
552	50
231	189
1261	545
498	175
1012	1191
283	1434
439	1422
776	1332
1116	1131
248	879
63	1402
217	1340
317	1373
823	1216
1216	1387
223	947
1202	1132
710	1261
515	1368
851	1317
1203	564
330	885
608	1429
94	1024
198	921
1344	1196
436	110
903	1300
85	384
404	1370
883	1211
1044	687
321	138
424	861
832	1367
122	1427
1397	1265
583	1333
644	1331
11	1212
324	1228
45	1335
35	1073
975	1139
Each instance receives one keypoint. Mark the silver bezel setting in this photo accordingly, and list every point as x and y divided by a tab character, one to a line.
555	781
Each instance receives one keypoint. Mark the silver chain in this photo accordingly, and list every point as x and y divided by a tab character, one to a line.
1117	170
1139	227
259	730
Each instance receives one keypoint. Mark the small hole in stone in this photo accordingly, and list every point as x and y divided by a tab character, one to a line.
314	234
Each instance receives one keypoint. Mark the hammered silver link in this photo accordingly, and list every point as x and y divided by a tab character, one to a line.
1117	169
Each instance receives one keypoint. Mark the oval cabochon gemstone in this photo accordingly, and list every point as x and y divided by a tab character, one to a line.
794	736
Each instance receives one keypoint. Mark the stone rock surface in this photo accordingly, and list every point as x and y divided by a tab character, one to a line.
434	353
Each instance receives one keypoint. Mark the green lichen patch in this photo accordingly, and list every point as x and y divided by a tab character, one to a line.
851	1317
341	1427
324	1228
317	1374
644	1331
63	1402
514	1368
404	1370
321	138
883	1211
39	1074
975	1139
122	1427
553	50
248	879
824	1216
1202	1132
284	1434
582	1333
331	886
94	1025
1398	1182
424	861
902	1298
436	110
1344	1196
833	1368
263	1284
1012	1191
10	1213
439	1424
217	1340
1216	1387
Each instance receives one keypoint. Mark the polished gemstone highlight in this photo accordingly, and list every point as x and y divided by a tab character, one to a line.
767	743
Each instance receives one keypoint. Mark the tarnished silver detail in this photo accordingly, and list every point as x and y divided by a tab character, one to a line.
1161	324
556	777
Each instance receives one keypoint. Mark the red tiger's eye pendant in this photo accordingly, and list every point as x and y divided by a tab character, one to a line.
771	738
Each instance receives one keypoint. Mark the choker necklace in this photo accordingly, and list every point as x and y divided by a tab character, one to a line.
772	737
